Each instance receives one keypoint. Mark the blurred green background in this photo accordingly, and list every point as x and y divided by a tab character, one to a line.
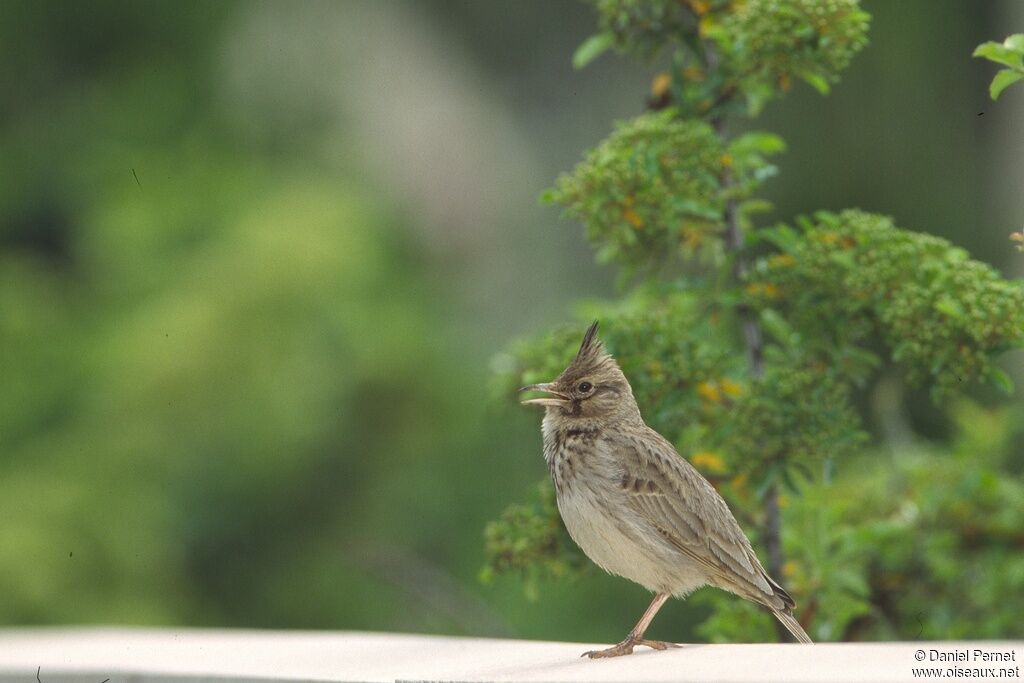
256	258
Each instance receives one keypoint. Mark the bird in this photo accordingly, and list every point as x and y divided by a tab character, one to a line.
636	507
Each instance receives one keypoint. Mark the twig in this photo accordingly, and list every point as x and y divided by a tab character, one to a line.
754	342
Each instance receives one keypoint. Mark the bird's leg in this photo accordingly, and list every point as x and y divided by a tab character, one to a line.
636	636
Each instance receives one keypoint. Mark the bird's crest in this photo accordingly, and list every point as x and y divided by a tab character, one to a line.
591	355
591	344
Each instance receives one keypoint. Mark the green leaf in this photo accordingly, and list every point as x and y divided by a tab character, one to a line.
606	253
1003	79
950	307
777	326
1015	43
806	224
816	81
757	98
842	259
864	357
697	208
758	141
753	206
782	236
788	482
549	196
771	477
995	52
1000	380
955	256
591	48
859	363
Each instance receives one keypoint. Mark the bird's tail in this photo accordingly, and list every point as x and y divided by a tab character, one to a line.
793	626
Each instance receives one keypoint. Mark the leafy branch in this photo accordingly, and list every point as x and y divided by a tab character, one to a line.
1009	53
748	348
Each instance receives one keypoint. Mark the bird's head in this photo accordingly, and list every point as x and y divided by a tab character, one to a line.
592	386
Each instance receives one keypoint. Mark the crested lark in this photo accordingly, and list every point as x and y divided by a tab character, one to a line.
636	507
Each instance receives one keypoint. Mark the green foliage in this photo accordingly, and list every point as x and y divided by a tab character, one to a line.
852	279
191	408
653	193
648	190
952	564
1009	53
197	409
942	533
766	44
759	47
922	546
590	49
795	415
839	300
829	564
530	541
642	27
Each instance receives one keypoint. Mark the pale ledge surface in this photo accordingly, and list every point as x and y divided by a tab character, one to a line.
123	655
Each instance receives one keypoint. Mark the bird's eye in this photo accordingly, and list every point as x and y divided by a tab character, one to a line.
584	387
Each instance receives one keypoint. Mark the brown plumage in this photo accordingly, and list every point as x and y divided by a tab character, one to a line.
634	505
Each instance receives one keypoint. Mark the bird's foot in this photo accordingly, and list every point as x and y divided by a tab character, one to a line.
626	648
658	644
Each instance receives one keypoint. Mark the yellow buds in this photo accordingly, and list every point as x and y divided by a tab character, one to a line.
739	484
718	391
762	289
708	461
699	7
707	22
693	73
660	85
692	238
709	392
730	388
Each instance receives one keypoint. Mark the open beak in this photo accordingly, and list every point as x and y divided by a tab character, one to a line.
554	398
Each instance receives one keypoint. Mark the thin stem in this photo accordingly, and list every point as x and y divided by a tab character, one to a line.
754	343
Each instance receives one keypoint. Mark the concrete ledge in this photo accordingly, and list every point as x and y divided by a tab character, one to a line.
142	655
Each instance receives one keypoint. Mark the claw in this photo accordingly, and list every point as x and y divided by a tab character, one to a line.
626	648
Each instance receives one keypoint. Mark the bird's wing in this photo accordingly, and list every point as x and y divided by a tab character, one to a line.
685	509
